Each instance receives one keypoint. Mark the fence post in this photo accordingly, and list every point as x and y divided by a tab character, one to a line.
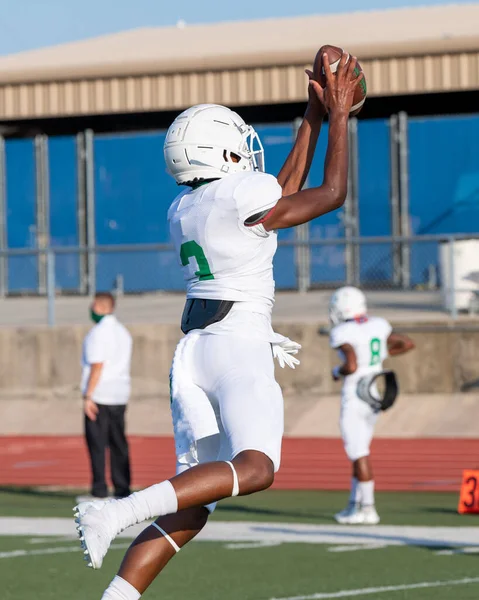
351	208
302	251
42	207
452	283
404	199
3	221
50	282
81	212
90	211
119	286
394	197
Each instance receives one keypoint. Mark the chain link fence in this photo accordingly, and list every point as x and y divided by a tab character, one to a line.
446	266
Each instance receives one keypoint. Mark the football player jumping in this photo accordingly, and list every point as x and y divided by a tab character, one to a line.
227	407
363	343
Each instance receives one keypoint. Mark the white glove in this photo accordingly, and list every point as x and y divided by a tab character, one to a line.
284	353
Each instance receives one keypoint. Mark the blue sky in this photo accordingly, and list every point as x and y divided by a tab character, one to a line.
28	24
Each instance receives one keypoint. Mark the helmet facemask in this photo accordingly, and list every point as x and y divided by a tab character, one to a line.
251	148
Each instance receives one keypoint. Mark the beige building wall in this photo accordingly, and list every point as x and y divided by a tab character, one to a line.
39	386
403	51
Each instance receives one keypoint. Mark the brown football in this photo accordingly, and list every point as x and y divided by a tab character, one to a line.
334	54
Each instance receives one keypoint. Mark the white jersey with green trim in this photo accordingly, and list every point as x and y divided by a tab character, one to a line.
369	339
222	258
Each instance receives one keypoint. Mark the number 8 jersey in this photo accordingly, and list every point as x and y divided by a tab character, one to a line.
369	339
222	258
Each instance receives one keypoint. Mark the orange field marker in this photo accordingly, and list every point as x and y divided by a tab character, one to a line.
469	496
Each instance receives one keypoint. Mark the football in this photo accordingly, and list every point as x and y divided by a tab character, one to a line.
334	54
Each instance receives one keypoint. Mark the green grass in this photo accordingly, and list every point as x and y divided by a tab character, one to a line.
396	508
211	570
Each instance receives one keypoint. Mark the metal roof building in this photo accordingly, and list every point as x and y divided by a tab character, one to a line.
404	51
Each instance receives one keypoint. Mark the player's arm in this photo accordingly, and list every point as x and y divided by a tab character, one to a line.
94	354
95	374
296	168
309	204
349	365
90	408
399	344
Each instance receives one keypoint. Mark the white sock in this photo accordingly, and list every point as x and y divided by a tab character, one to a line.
366	491
156	501
354	497
120	589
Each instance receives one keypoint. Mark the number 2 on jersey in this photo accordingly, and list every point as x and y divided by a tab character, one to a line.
194	250
375	346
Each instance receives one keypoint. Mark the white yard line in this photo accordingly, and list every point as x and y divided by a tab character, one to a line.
357	547
57	550
260	532
380	590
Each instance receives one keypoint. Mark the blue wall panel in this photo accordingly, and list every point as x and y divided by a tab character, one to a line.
277	141
376	264
133	193
21	214
444	175
444	183
327	262
63	209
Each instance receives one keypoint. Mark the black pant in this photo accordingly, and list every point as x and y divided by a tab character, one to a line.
108	431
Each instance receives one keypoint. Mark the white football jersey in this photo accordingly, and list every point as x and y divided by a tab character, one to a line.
222	258
369	340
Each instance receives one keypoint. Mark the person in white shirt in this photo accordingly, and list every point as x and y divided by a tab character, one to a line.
363	343
106	389
226	405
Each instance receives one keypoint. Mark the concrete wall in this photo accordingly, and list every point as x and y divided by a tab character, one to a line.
40	371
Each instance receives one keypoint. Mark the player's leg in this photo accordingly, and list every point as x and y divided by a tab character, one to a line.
152	550
354	498
358	430
255	456
347	425
364	471
160	542
251	411
119	452
241	383
96	434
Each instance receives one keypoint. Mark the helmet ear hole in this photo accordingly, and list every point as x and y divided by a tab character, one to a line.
232	157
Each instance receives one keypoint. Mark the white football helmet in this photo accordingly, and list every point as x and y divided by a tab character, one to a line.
200	141
346	303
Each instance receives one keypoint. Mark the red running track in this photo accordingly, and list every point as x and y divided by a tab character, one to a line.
399	464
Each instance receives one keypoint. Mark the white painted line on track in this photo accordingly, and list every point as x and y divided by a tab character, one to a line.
380	590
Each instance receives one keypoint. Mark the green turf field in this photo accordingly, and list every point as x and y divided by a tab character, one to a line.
276	545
